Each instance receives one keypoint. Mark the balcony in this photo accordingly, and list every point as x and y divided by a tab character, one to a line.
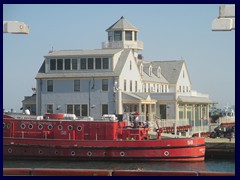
123	44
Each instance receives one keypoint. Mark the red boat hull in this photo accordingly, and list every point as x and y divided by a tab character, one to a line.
151	150
95	140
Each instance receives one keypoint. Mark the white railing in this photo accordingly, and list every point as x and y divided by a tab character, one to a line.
172	122
227	119
125	44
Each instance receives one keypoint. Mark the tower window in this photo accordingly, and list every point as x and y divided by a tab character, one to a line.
117	35
135	36
128	35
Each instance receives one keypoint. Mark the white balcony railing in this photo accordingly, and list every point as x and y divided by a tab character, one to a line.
125	44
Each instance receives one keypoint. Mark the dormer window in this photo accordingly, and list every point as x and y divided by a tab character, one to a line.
150	71
159	72
128	35
141	69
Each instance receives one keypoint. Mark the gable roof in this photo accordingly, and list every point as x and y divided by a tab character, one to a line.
170	69
122	24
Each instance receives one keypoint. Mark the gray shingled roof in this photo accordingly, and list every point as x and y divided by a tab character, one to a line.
170	69
79	74
153	78
122	24
72	53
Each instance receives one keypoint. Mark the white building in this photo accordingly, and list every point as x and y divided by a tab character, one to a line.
117	79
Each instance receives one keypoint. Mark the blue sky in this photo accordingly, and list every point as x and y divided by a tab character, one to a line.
169	32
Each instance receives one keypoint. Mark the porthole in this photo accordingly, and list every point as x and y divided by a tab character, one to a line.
89	153
122	154
50	127
56	152
166	153
8	126
40	126
23	126
79	128
40	151
70	127
30	126
3	125
60	127
9	150
73	153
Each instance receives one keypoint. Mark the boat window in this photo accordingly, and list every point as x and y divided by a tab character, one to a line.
73	153
8	126
70	127
30	126
40	126
23	126
79	128
50	127
60	127
3	125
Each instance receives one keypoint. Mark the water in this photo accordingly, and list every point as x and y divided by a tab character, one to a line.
221	165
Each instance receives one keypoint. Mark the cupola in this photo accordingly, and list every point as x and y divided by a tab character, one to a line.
123	34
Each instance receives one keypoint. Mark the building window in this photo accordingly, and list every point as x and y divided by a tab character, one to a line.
136	86
83	63
70	109
74	64
49	85
76	85
183	74
148	87
105	63
183	88
180	89
105	85
98	63
131	85
104	109
52	64
128	35
130	65
49	108
77	109
90	63
60	64
135	36
110	36
84	110
67	64
125	85
117	35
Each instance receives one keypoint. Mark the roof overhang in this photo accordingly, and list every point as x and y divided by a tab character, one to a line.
194	100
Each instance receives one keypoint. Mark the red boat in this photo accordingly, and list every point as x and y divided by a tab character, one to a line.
58	136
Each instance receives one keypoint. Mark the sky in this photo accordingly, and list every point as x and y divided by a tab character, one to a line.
169	32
